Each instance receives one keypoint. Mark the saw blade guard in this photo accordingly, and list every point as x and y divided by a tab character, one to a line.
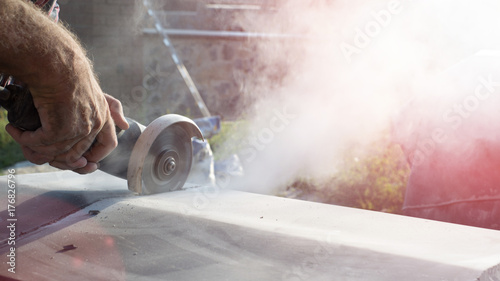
162	156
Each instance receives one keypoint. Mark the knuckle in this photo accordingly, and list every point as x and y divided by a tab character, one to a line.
82	146
70	158
87	128
113	143
61	148
115	105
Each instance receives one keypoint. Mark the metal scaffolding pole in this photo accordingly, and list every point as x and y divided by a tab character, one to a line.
178	61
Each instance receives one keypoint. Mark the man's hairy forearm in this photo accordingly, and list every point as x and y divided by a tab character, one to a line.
74	112
36	50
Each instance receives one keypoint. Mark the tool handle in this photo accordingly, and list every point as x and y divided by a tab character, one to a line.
18	102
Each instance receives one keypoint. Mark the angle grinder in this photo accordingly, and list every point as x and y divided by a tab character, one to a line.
152	159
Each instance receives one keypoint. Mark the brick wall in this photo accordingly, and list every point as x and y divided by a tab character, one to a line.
219	68
138	69
106	29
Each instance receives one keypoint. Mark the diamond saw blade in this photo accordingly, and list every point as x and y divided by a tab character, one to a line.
168	162
162	155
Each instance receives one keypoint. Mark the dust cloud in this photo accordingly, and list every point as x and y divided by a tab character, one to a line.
348	68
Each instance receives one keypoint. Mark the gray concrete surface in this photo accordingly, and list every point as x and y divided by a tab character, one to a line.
210	234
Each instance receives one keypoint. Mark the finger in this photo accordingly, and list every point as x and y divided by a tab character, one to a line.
28	138
116	110
90	168
34	157
104	143
78	164
34	140
73	158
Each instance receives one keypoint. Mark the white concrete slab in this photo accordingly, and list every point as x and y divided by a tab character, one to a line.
211	234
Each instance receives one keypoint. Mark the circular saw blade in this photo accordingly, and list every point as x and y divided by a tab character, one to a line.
168	162
162	155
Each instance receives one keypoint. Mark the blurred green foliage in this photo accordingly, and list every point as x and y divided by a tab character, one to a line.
376	181
229	140
373	179
10	151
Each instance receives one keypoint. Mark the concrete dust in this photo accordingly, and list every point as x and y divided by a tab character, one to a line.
352	67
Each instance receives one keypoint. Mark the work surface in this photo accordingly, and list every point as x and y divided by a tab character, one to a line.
72	227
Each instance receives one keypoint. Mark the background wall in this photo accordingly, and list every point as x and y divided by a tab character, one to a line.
106	30
137	68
